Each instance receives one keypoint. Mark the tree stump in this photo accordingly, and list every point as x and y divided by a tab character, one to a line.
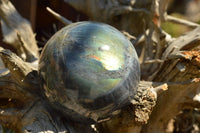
170	72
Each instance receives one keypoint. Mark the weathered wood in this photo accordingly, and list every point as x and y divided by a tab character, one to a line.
169	104
33	106
59	17
181	70
23	107
189	41
22	72
12	24
137	113
117	13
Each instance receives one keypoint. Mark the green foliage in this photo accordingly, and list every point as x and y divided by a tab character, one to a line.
175	30
198	22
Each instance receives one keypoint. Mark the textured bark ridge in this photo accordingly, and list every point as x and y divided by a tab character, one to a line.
17	32
168	90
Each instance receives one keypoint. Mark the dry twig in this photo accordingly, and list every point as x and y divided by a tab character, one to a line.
59	17
181	21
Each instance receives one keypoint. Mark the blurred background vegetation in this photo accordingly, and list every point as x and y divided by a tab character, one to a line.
44	24
184	9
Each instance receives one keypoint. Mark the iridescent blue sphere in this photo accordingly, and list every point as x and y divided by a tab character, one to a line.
89	70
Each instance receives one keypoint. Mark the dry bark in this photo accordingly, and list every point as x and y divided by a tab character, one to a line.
173	67
17	32
182	67
116	12
21	88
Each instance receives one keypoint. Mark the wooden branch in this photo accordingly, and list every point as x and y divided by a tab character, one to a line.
128	36
132	117
59	17
188	41
168	105
116	13
23	73
23	107
155	40
120	9
11	24
181	21
163	5
35	107
178	72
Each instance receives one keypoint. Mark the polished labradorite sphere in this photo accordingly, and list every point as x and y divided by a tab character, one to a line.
89	69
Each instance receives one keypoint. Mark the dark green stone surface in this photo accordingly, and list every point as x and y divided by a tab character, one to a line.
90	67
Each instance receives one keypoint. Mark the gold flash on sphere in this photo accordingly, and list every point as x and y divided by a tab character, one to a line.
89	70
